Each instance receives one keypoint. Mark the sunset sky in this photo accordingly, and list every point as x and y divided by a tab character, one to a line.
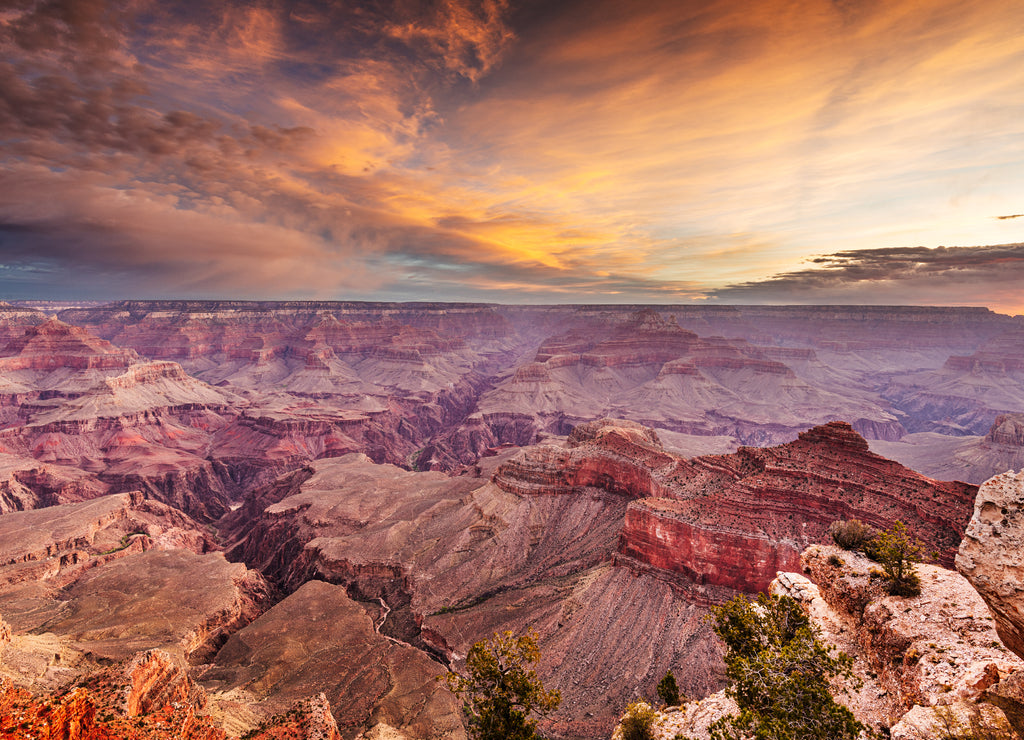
733	151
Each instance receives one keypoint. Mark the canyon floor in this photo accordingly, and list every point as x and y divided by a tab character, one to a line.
295	517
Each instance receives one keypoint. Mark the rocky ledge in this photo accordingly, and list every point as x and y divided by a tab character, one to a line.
918	661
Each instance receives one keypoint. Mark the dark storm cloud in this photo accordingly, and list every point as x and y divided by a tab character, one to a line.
942	275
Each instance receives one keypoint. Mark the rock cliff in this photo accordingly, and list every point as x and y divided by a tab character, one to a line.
733	520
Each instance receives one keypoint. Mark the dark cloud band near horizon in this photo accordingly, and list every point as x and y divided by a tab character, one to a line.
512	151
988	275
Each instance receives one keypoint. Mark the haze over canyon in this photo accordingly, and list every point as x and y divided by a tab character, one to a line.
234	517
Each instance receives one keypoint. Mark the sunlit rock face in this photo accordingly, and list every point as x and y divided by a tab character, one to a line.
150	696
991	555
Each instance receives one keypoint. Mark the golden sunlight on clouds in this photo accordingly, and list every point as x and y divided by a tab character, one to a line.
651	151
791	121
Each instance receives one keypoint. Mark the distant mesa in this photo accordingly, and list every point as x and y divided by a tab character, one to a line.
1008	430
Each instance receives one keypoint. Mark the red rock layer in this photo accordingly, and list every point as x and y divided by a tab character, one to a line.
617	456
660	534
734	520
731	521
55	344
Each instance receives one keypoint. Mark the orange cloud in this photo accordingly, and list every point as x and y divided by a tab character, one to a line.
641	150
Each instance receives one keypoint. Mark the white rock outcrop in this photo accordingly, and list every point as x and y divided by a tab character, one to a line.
991	554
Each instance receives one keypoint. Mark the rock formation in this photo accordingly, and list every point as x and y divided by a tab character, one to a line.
973	458
592	540
734	520
437	385
936	648
922	666
990	554
145	697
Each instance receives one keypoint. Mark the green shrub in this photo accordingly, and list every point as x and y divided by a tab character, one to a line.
501	694
780	673
852	534
668	690
638	722
898	553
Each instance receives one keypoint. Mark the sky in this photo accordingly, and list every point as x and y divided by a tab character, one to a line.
515	151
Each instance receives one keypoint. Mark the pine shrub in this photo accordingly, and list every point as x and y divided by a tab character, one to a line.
668	690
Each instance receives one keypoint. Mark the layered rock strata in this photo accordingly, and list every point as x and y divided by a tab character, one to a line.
645	367
591	540
732	521
436	385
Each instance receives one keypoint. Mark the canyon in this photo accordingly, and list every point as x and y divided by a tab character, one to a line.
307	512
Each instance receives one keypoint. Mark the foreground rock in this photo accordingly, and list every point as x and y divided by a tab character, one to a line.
923	665
148	697
933	649
992	554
